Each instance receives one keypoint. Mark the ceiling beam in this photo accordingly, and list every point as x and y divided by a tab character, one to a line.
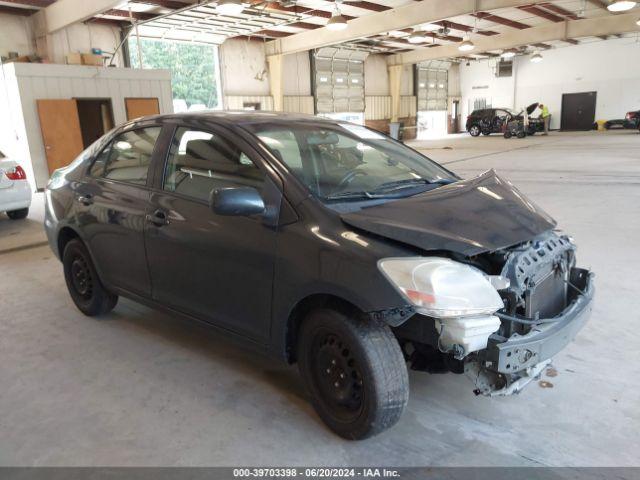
405	16
599	3
170	4
298	10
539	12
501	20
559	10
31	3
567	32
24	12
374	7
63	13
125	14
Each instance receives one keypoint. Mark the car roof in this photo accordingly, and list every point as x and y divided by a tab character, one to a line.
234	117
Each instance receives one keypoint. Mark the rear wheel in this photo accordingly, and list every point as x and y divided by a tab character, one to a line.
84	286
474	130
355	372
521	134
18	214
507	134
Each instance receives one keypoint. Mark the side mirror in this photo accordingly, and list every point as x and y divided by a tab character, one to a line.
236	201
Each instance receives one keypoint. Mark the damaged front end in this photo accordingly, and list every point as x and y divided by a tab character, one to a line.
545	299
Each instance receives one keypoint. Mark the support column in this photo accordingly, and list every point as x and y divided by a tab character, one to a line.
395	80
276	81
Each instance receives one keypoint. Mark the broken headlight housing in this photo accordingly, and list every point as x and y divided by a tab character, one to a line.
442	288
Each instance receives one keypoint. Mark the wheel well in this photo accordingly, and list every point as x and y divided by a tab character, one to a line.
303	308
65	236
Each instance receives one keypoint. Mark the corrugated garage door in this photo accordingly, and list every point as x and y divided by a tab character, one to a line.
339	80
433	86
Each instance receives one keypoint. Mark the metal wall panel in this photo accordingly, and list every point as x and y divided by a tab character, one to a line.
237	102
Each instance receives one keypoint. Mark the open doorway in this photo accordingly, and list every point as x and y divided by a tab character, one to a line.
432	124
96	118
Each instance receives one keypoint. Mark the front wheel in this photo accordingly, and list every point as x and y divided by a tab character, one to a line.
355	372
474	130
507	134
83	283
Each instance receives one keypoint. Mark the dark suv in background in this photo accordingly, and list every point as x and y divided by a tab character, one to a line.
630	121
492	120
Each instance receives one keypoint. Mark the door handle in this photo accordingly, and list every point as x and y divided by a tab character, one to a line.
86	200
158	218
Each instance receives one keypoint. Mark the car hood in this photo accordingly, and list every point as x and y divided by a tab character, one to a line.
531	108
468	217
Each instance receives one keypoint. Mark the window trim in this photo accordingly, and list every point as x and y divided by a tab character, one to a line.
108	145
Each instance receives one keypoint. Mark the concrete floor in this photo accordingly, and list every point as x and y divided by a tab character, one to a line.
142	388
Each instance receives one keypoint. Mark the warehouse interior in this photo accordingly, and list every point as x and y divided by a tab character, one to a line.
141	387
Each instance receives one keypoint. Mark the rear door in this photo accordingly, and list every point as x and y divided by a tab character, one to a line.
217	268
111	206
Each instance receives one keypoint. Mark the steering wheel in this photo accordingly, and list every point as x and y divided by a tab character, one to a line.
348	178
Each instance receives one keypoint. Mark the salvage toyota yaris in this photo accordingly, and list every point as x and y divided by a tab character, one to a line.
323	243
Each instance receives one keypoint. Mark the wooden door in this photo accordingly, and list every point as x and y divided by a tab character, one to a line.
141	107
61	132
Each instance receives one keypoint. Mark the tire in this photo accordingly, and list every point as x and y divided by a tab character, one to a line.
83	283
355	372
18	214
474	130
521	135
507	134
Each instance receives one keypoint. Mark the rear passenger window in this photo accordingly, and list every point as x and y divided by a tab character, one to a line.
200	161
128	156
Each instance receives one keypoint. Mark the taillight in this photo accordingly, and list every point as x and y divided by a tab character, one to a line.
16	173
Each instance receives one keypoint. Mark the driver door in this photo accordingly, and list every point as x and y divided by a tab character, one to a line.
214	267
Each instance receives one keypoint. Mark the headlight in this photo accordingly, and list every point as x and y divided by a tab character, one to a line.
441	288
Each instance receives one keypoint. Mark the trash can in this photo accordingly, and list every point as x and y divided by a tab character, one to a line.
396	130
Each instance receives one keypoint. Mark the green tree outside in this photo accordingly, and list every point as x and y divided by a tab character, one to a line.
193	67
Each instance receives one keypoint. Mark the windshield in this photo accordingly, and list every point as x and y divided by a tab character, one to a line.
345	161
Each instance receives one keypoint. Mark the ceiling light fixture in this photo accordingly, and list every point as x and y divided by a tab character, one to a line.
536	58
466	46
417	37
229	7
337	21
430	27
621	5
508	54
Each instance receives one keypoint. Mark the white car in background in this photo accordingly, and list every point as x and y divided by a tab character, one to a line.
15	191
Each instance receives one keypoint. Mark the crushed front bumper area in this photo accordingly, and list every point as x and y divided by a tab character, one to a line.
507	366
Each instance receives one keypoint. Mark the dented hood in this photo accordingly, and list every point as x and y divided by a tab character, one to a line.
468	217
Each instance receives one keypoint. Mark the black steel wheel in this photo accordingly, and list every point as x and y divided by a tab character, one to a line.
355	372
83	283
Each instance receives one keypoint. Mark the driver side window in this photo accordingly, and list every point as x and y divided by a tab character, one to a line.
200	161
